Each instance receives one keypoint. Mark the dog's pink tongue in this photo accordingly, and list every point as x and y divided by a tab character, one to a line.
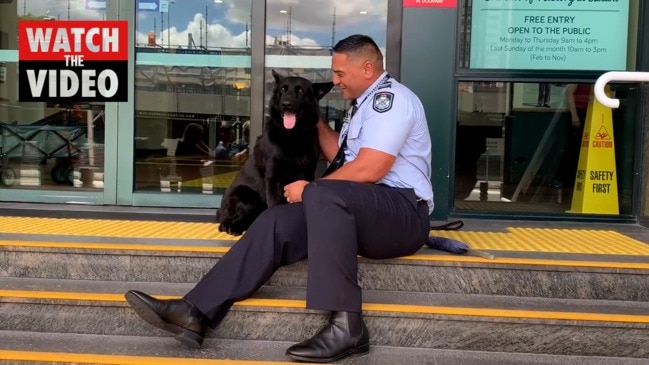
289	120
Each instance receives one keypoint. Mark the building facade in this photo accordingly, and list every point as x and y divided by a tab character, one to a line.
506	88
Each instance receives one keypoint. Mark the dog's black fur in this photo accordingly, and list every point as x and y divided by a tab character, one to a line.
280	156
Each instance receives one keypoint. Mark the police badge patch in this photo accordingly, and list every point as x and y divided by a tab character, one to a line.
383	101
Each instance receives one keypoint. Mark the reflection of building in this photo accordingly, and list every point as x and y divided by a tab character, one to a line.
211	88
220	91
193	89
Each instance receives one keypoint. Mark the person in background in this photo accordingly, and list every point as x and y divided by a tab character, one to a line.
578	96
543	98
239	149
222	150
192	144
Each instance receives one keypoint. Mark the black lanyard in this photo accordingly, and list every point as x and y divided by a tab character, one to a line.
339	159
354	107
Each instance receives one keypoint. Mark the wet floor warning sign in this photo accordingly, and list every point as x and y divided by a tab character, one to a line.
595	190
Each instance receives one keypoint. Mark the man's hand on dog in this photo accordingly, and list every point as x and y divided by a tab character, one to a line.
293	191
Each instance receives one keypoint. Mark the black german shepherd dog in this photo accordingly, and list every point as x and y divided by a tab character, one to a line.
288	150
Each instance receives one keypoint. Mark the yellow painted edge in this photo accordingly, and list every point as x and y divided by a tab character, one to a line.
80	358
115	246
537	262
33	294
418	257
372	307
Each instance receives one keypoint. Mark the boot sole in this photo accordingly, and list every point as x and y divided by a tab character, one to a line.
356	351
183	335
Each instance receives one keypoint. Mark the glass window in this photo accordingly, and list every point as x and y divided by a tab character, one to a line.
521	147
300	37
542	35
46	145
192	95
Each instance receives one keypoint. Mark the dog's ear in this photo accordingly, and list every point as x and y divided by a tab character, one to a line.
322	88
277	77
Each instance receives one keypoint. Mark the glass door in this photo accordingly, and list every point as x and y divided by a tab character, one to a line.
51	152
191	102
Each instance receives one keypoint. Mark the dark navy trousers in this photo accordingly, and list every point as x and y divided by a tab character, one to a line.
335	223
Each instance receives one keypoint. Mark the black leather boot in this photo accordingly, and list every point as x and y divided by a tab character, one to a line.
177	316
344	335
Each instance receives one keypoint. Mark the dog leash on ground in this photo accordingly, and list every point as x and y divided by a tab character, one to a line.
452	245
450	226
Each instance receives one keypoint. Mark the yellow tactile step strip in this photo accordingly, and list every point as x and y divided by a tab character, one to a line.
575	241
417	257
80	358
115	246
370	307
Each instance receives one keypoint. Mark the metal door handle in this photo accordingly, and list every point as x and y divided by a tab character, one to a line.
601	82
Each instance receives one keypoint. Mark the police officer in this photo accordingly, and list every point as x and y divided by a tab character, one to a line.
376	204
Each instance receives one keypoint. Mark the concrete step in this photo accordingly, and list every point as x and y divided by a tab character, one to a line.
411	320
527	274
46	348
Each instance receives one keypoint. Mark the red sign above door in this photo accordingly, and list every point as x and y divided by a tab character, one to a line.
429	3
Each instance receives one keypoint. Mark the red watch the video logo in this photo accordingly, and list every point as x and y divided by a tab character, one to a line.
62	61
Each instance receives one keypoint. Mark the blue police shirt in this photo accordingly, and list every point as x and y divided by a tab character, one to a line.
391	119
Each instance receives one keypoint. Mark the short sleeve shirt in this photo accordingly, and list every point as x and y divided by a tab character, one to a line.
390	118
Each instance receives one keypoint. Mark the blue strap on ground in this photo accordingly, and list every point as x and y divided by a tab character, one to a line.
451	245
447	244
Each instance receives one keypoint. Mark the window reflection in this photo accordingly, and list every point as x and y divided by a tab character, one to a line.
518	145
46	145
192	95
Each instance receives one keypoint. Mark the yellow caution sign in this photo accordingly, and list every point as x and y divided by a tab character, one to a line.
595	188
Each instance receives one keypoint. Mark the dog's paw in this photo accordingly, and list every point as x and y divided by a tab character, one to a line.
230	227
239	210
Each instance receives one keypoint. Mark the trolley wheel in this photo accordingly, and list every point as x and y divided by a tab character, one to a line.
69	175
59	173
8	176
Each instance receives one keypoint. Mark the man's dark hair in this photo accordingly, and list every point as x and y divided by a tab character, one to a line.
358	43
